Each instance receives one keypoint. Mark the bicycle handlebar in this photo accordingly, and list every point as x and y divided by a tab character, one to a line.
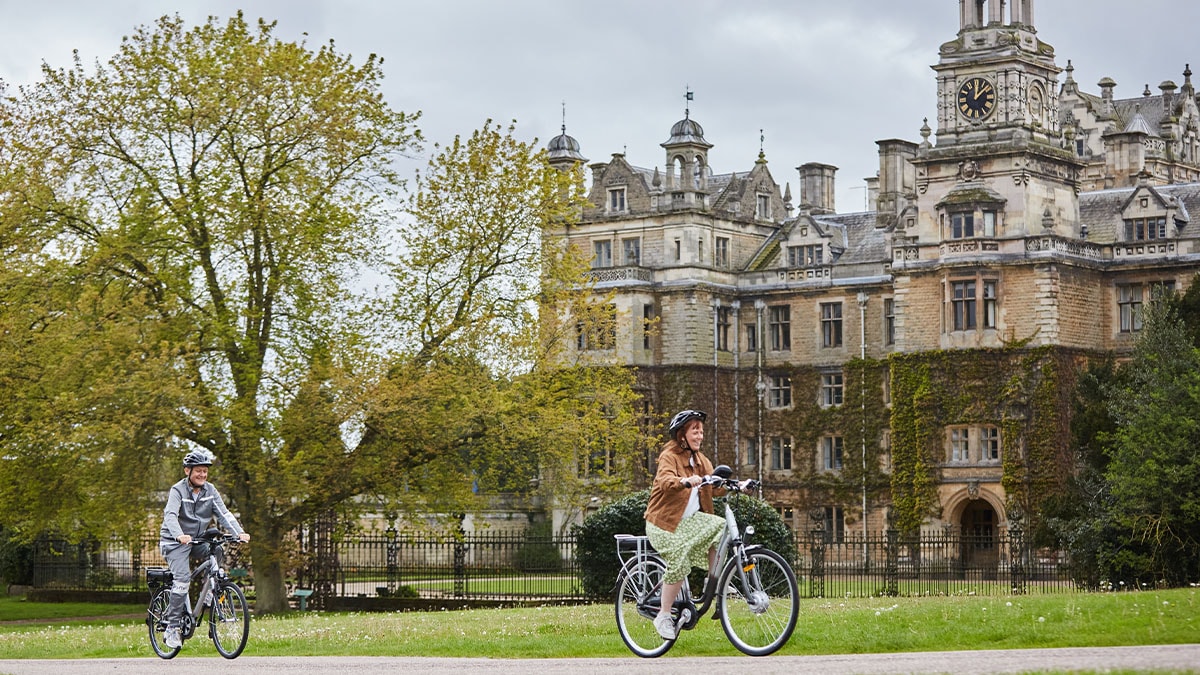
730	483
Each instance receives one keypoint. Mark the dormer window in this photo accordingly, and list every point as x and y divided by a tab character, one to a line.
805	256
616	200
764	206
970	224
1144	229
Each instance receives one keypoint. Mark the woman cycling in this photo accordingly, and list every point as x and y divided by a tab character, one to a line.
679	517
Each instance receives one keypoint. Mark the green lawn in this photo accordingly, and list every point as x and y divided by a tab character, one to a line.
827	626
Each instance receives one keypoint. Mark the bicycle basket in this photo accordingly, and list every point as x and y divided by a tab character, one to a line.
157	577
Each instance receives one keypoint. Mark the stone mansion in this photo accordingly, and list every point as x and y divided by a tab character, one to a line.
914	362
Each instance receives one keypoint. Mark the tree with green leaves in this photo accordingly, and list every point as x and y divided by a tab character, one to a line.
1153	471
181	229
184	231
485	304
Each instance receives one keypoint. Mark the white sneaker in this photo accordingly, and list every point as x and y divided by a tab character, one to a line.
171	638
665	626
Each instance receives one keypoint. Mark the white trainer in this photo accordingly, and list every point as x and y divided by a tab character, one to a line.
665	626
171	638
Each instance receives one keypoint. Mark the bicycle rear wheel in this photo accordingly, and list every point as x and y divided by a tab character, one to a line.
639	588
156	622
758	612
229	620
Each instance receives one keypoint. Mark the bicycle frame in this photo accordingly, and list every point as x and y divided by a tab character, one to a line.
730	543
752	588
213	574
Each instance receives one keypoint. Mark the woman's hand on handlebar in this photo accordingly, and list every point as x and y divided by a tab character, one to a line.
185	538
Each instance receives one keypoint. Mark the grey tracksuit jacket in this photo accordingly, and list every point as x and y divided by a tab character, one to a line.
186	513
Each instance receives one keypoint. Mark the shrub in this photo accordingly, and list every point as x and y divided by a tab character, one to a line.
538	553
16	560
406	592
597	549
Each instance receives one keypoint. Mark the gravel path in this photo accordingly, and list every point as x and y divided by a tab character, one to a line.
1101	659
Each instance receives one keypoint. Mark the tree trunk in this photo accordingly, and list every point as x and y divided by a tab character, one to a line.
269	587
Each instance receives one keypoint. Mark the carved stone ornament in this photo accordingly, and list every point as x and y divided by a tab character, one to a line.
968	170
973	489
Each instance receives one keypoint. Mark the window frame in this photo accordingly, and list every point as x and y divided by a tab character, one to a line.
973	445
832	389
1146	228
833	453
1130	309
781	453
636	259
831	326
600	246
889	321
617	201
779	324
723	323
833	523
779	391
972	303
763	206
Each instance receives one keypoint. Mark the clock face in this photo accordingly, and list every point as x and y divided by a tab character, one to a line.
976	98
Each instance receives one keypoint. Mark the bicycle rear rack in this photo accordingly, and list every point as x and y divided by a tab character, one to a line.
633	547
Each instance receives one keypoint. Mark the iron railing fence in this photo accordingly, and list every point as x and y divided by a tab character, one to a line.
520	567
484	566
931	564
116	564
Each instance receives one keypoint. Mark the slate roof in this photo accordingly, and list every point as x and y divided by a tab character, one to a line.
1101	210
863	242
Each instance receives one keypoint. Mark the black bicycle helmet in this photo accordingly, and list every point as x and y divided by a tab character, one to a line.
198	458
682	417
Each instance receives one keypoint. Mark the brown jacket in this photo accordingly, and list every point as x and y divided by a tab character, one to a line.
669	497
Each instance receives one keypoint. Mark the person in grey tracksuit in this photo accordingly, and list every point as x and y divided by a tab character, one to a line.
192	503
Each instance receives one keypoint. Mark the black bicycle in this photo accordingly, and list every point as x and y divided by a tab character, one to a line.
221	600
757	599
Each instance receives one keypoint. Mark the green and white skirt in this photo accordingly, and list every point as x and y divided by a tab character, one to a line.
688	545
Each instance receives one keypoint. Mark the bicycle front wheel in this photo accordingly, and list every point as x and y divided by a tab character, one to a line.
229	621
156	622
639	590
759	602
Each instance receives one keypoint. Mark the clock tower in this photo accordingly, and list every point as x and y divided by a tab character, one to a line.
999	167
996	80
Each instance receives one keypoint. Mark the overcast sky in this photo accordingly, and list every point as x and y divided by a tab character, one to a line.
822	80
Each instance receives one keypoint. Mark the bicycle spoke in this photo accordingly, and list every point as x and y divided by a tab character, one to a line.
229	621
156	623
636	604
758	613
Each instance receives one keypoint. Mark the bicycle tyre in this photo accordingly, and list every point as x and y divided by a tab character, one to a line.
635	618
760	619
229	620
156	623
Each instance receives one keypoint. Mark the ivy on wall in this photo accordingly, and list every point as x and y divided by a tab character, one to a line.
1025	392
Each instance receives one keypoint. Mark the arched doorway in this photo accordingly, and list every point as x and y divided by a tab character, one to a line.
980	537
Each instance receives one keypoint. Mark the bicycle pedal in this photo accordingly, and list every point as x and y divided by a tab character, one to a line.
685	620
